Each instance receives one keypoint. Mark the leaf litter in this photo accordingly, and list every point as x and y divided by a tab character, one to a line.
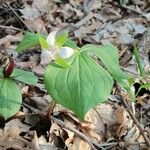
96	22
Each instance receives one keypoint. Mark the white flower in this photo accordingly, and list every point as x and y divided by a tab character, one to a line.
65	52
47	55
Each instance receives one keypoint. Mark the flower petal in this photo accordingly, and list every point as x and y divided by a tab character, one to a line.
51	38
47	56
65	52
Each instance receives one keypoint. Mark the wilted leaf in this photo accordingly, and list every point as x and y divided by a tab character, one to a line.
10	98
81	86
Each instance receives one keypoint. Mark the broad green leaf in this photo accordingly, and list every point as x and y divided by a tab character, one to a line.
10	98
137	58
61	62
109	57
71	44
79	87
29	40
43	42
61	39
24	76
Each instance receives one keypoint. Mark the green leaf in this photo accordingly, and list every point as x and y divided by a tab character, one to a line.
137	58
43	42
29	40
24	76
145	85
79	87
61	39
61	62
109	57
1	72
126	85
70	43
10	98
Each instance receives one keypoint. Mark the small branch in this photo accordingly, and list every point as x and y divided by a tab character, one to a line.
50	108
64	125
11	28
147	140
132	9
134	73
19	17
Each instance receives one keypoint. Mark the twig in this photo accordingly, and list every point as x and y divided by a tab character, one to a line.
134	73
133	10
100	117
81	135
50	109
11	28
19	17
64	125
147	140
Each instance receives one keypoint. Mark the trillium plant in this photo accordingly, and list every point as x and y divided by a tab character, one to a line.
10	94
53	49
73	78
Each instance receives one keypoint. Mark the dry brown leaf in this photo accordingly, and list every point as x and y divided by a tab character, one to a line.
118	129
90	5
29	12
103	115
132	135
36	25
41	5
39	70
38	8
11	138
110	13
78	144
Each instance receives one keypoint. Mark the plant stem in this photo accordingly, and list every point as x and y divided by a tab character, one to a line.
50	109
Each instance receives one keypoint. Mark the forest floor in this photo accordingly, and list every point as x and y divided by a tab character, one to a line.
112	125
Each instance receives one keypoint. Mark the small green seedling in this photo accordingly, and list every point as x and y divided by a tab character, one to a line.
10	95
75	80
138	61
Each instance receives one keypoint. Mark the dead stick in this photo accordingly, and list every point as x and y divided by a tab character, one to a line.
19	17
147	140
64	125
12	28
133	10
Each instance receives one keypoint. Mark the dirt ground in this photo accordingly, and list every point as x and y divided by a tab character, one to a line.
110	126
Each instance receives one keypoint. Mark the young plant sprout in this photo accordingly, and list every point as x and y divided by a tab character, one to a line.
10	94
